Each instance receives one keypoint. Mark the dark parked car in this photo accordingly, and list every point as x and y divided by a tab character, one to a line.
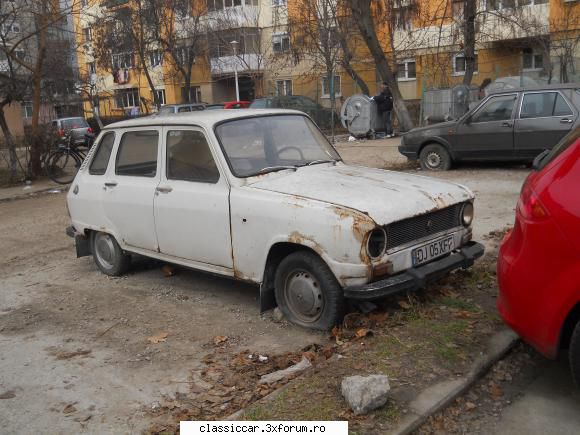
180	108
77	127
321	115
515	124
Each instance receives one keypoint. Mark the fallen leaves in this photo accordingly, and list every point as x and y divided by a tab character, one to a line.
219	339
168	270
363	332
160	337
68	355
69	409
495	391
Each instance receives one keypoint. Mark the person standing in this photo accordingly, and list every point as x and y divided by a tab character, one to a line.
385	107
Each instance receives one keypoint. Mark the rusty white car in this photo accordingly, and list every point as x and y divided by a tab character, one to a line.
262	196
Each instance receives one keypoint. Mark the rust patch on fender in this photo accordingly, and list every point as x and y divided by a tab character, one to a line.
301	239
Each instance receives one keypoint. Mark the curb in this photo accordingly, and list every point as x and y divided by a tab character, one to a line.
33	194
436	397
439	396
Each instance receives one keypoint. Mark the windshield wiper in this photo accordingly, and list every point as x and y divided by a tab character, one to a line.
316	162
274	168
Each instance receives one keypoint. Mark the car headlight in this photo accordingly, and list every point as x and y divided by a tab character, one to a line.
377	243
467	214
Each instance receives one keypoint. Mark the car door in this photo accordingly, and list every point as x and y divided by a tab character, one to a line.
544	118
192	213
488	132
130	188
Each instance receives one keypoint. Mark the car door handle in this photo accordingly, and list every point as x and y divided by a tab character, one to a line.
110	184
506	124
565	121
164	189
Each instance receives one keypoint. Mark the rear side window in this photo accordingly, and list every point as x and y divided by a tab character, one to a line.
561	108
184	109
189	157
137	154
103	154
543	105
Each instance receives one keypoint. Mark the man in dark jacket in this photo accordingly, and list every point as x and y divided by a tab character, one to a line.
385	107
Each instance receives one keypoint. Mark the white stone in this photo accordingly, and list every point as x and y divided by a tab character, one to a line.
365	393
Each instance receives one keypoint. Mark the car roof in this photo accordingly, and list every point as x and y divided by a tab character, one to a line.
68	117
551	87
202	118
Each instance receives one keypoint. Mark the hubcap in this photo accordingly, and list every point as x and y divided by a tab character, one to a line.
105	250
433	160
304	296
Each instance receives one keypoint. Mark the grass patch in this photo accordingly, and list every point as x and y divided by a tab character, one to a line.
459	304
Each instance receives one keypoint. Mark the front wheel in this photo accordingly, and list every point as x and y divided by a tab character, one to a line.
307	292
435	157
108	255
62	166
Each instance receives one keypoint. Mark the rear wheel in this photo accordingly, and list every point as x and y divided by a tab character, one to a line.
62	166
434	157
574	355
307	292
108	255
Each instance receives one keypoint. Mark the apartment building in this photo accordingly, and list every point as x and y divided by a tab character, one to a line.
534	39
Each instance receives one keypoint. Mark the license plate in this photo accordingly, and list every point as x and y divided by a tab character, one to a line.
432	250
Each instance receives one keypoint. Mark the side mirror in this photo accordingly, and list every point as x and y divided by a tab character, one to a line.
538	159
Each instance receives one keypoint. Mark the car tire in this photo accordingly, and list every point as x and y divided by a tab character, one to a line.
434	157
108	255
307	292
574	355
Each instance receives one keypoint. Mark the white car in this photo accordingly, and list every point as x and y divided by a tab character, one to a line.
262	196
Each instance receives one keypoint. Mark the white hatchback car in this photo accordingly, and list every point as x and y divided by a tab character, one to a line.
263	197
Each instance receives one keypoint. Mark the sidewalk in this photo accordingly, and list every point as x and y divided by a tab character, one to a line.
24	190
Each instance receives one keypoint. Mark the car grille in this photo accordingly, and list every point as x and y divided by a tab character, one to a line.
418	227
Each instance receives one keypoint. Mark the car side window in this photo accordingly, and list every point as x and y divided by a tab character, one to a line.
538	105
496	109
103	154
184	109
137	154
189	157
561	107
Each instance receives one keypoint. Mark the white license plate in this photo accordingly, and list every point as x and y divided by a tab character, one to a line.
432	250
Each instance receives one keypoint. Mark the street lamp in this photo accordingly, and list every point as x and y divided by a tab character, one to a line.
235	48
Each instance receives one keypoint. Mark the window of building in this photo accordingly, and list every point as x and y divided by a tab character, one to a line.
20	53
13	27
326	86
407	70
532	59
193	96
87	34
125	98
278	2
155	58
544	104
496	109
27	110
459	64
281	43
218	5
494	5
185	55
123	60
160	94
91	68
403	14
189	157
137	155
103	154
283	87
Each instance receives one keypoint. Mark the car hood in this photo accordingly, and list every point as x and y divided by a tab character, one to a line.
433	129
385	196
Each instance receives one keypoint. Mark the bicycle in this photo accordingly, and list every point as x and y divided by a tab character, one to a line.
63	163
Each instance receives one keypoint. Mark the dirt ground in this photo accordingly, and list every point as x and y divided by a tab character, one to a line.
83	352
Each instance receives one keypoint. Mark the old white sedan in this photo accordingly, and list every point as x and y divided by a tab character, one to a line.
262	196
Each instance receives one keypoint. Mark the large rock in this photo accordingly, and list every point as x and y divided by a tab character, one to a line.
365	393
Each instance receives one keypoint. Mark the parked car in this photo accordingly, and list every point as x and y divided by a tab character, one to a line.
78	128
229	105
514	124
263	197
539	260
321	115
180	108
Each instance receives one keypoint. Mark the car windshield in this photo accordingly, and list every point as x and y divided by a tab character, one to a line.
69	124
268	143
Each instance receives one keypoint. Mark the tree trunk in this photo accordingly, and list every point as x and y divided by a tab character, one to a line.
10	143
37	139
361	10
469	13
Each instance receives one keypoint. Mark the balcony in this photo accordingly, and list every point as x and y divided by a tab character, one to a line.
233	17
226	64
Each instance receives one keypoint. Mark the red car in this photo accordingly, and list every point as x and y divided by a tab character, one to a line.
538	267
229	105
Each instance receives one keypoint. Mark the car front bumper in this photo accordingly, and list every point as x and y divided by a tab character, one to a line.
408	151
419	277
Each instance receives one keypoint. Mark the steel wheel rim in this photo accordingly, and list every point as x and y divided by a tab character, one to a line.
105	250
433	160
303	295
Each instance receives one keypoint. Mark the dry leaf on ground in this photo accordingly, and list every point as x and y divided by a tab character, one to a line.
405	305
219	339
158	338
